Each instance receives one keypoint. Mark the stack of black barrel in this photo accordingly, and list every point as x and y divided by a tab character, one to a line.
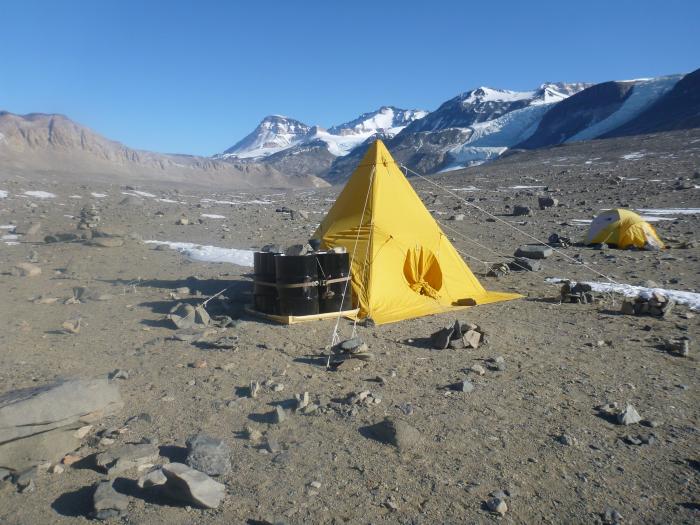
301	284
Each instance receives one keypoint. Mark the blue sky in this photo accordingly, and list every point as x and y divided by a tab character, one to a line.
194	77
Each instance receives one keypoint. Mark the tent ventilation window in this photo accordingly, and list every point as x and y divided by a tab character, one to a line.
422	272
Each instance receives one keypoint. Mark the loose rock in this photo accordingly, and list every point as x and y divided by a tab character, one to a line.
209	455
189	485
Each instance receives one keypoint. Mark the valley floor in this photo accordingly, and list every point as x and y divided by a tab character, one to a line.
561	360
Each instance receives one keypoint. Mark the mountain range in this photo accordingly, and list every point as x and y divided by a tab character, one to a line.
55	145
474	127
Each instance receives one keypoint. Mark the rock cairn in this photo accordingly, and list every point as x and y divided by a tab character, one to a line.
655	304
89	218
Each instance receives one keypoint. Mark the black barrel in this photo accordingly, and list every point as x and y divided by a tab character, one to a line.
334	267
265	298
292	271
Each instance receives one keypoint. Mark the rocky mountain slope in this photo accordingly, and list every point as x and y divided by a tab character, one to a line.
56	145
679	108
598	110
292	147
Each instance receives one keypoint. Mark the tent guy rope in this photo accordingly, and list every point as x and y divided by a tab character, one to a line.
496	218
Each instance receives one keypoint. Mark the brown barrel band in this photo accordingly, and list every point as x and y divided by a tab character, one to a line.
304	285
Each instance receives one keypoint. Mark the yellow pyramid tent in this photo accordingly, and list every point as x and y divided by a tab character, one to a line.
403	265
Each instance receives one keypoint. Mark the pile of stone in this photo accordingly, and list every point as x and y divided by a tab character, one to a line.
655	304
188	483
558	241
89	218
42	424
458	335
364	398
354	348
579	293
547	202
520	210
184	316
498	270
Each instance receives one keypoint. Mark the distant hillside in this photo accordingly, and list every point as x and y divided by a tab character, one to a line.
55	144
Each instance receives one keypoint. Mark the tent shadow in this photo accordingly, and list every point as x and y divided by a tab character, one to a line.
204	286
74	504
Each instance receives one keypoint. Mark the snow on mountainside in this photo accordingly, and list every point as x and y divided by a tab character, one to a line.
644	94
276	133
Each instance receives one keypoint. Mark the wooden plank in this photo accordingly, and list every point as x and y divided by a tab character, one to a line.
295	319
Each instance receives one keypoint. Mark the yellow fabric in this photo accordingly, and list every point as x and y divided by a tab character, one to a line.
624	229
403	265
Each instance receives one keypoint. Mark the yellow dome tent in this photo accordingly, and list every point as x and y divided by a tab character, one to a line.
623	228
403	265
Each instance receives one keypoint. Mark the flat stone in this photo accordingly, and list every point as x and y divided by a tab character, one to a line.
39	409
398	433
106	242
534	251
471	339
107	502
520	210
497	506
127	457
152	478
354	346
189	485
209	455
466	386
478	369
524	264
26	269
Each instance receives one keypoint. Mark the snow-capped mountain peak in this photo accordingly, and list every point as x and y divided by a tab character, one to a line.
277	133
386	119
274	133
487	94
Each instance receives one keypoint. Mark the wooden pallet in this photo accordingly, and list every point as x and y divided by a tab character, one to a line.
295	319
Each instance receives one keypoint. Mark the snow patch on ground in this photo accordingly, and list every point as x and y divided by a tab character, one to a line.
198	252
75	196
635	155
690	299
525	187
670	211
138	193
254	201
3	194
7	226
98	195
212	216
40	194
467	188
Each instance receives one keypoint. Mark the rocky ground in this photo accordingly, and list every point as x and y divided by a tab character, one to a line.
529	432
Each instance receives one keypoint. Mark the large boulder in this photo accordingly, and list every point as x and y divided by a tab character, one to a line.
39	423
